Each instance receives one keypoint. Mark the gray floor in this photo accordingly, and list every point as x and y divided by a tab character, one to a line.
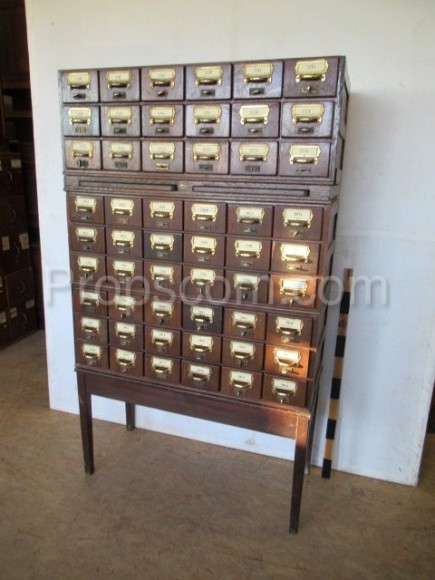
162	507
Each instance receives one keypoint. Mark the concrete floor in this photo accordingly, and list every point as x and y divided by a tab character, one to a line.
159	507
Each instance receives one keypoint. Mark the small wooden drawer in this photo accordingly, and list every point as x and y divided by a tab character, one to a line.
248	253
162	83
87	267
161	120
162	277
202	347
163	214
125	307
202	318
241	383
203	283
163	246
298	222
125	273
120	121
285	330
284	391
296	291
119	85
90	302
247	288
92	355
242	354
79	86
304	161
295	257
121	155
124	211
86	208
162	156
287	361
205	217
81	121
82	154
254	80
127	362
4	328
163	369
207	157
87	238
162	341
307	119
126	334
250	220
252	120
310	78
22	319
13	216
15	251
210	120
201	249
163	313
200	376
11	175
254	158
19	286
209	81
121	242
90	329
245	324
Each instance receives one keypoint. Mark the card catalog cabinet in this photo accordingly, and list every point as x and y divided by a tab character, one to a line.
202	203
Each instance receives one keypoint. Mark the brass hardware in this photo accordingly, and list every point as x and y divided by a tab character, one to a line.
162	77
162	115
162	338
250	215
89	299
304	154
162	209
246	282
87	264
162	242
162	151
311	70
91	352
162	309
283	389
207	114
286	359
258	73
118	79
125	331
120	115
161	366
297	217
202	278
199	374
288	326
241	382
201	314
206	151
123	239
90	326
244	320
295	253
208	75
85	204
204	212
248	248
162	274
124	303
293	288
254	114
83	149
122	206
243	351
201	245
125	358
79	115
121	150
201	344
124	269
88	235
307	113
79	80
253	152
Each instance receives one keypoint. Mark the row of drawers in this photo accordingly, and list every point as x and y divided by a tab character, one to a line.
272	79
14	251
16	288
17	321
11	178
292	119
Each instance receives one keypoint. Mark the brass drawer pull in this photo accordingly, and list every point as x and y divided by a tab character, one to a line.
287	359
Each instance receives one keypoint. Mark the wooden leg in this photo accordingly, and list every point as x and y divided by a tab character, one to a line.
85	405
311	428
130	418
298	472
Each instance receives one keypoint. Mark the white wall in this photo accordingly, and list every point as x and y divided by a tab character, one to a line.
387	206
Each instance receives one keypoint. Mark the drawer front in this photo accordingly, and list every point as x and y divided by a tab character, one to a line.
250	220
200	376
306	119
210	81
88	267
12	214
126	334
3	300
202	318
22	319
4	329
122	242
162	83
125	273
207	157
298	222
119	85
295	257
163	214
202	347
11	176
125	307
86	208
244	324
304	161
162	120
79	86
83	154
162	156
162	277
124	211
248	253
284	391
246	355
162	341
90	329
163	246
248	288
287	361
296	291
283	330
310	78
127	362
205	217
90	302
258	80
255	120
87	238
120	121
241	383
163	313
163	369
121	155
252	158
14	252
92	355
201	249
209	120
20	287
203	283
81	121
